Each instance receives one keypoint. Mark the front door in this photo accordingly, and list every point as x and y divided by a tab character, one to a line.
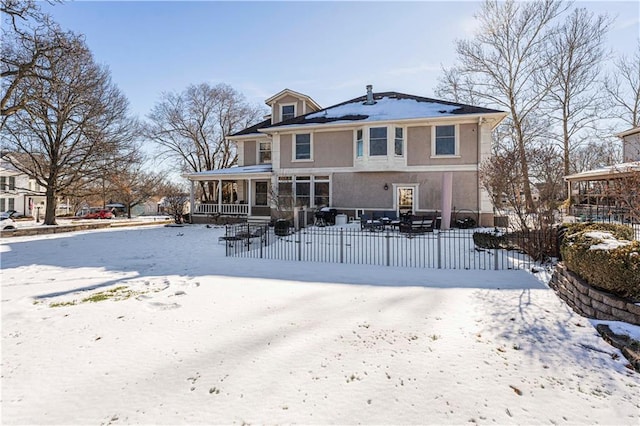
405	200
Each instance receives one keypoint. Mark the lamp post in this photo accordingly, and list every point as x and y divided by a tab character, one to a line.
37	214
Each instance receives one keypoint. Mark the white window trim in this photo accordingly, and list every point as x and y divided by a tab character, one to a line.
404	141
258	151
293	148
457	141
355	144
416	194
295	107
369	141
391	141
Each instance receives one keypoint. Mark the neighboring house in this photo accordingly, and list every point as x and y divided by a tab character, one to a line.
591	189
19	192
630	144
379	152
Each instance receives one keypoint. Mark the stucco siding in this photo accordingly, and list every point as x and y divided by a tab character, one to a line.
329	149
249	153
419	146
366	190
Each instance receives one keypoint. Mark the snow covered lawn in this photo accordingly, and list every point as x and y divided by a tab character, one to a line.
192	337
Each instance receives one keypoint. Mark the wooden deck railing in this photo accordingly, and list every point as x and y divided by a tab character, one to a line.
232	209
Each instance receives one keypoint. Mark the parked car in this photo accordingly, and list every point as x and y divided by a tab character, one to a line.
7	224
8	214
98	214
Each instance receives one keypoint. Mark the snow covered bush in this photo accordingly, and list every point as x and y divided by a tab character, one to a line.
604	256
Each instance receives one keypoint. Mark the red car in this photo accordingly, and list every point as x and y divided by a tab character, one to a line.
98	214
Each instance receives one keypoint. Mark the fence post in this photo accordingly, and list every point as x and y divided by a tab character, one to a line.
226	242
495	259
262	237
299	240
388	242
439	248
341	245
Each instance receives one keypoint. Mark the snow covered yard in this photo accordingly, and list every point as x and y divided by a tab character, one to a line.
192	337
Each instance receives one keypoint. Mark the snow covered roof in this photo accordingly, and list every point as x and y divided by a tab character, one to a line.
253	130
388	106
231	172
605	172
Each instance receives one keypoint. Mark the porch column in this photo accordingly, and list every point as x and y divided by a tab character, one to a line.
192	201
219	195
249	198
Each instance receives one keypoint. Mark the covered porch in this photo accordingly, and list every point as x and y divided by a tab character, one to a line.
604	194
236	191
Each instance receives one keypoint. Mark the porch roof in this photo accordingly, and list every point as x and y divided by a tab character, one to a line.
605	173
237	172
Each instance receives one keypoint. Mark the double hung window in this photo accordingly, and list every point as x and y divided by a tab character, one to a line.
303	146
264	155
359	143
377	141
399	142
445	140
288	112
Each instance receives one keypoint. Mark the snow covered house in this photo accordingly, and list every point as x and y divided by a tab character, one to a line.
384	151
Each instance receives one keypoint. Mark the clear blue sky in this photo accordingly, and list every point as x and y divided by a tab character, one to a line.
327	50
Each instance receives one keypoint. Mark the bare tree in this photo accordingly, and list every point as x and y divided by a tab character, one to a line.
27	34
73	122
503	67
192	127
623	87
625	191
577	53
175	199
595	154
133	185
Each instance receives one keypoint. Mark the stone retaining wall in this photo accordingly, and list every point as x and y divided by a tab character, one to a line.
590	302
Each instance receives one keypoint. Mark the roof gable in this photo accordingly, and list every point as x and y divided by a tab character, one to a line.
293	93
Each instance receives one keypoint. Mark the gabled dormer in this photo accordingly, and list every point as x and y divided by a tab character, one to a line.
288	104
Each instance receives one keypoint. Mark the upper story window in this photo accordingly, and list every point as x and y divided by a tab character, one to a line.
264	152
302	146
377	141
398	148
359	143
7	183
445	141
287	112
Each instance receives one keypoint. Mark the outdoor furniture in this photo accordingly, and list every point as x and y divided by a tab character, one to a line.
412	224
242	235
369	223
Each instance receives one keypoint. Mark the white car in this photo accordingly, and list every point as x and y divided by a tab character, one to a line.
7	224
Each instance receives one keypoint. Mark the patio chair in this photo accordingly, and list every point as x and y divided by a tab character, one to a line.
369	223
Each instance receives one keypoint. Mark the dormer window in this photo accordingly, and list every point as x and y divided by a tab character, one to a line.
288	112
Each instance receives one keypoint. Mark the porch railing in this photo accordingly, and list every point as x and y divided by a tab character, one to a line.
231	209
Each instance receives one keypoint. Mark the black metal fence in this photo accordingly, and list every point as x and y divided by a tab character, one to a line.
450	249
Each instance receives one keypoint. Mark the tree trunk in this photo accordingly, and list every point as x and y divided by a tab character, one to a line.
50	209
